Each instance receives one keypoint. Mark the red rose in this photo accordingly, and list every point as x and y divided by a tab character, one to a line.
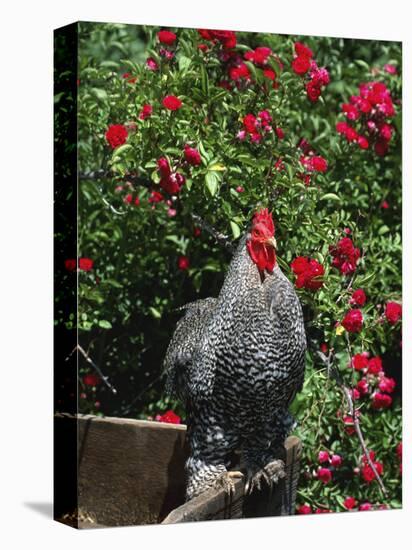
166	37
169	417
70	264
336	461
367	472
390	69
239	71
313	90
172	183
393	312
387	384
270	74
324	475
301	64
302	50
386	132
197	231
360	361
91	380
261	55
239	189
341	127
365	507
183	263
155	197
172	103
351	134
381	147
345	246
375	365
323	456
345	256
146	111
226	38
164	167
324	347
264	118
319	164
358	298
363	386
353	320
116	135
192	156
350	111
249	123
86	264
205	34
304	509
349	503
309	273
128	198
151	64
381	401
280	133
299	265
363	142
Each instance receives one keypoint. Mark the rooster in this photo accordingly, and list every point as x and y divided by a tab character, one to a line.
237	362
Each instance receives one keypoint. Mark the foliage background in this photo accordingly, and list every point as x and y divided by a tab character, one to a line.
128	301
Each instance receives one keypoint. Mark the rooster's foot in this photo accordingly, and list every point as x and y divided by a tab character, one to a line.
226	481
270	474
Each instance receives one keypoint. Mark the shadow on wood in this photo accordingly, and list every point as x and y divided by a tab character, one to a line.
131	472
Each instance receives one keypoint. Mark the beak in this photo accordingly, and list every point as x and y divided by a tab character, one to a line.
272	242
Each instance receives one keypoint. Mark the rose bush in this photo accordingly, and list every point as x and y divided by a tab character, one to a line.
217	124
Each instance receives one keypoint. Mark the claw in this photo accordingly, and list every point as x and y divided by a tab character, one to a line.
271	473
226	481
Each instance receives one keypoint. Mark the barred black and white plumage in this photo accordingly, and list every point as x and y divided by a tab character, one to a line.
237	362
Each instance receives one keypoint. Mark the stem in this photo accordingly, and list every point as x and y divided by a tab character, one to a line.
96	367
335	374
220	237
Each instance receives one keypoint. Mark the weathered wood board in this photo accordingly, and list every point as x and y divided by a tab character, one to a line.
131	472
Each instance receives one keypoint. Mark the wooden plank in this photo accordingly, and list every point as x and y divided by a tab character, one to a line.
131	472
216	504
210	505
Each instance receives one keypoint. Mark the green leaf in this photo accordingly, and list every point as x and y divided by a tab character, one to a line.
212	183
205	80
155	312
330	197
184	63
104	324
100	94
217	167
235	229
119	151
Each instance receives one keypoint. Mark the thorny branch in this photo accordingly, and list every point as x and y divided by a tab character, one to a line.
220	237
96	367
334	373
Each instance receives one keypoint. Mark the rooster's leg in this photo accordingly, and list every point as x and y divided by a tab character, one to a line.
210	446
